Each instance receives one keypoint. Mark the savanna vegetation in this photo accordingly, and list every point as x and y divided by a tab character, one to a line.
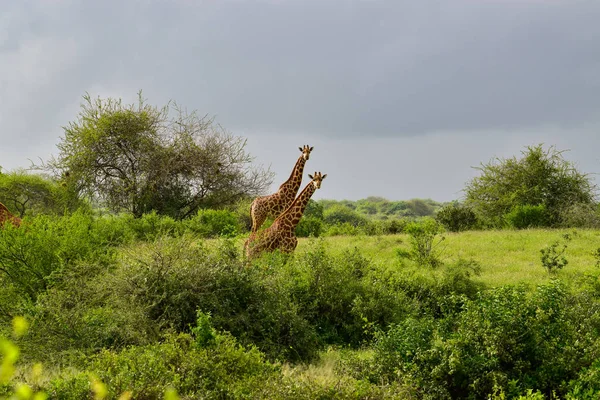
127	279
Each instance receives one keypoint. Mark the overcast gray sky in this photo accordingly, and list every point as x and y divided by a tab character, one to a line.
399	98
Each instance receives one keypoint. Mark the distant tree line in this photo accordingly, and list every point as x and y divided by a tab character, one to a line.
141	159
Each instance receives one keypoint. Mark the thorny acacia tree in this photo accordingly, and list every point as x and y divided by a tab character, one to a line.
540	177
29	194
138	158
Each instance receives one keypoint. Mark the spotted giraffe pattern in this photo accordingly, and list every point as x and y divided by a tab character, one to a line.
6	216
280	235
273	205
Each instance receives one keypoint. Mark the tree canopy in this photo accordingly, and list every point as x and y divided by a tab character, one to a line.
541	177
138	158
29	194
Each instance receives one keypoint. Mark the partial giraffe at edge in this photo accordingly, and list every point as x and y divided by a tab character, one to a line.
281	234
7	216
274	204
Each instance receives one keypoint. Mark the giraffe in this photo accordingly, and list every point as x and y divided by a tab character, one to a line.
274	204
280	235
6	216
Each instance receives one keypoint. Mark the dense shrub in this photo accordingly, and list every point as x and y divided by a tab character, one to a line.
457	217
157	287
32	256
214	223
223	370
339	214
526	216
345	229
580	216
242	212
152	225
314	280
502	339
309	226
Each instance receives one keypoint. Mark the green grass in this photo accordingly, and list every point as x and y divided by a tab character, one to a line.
506	257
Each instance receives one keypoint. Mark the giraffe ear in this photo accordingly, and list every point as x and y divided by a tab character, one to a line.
300	148
324	176
311	148
310	176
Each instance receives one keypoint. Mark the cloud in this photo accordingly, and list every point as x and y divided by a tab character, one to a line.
330	69
382	68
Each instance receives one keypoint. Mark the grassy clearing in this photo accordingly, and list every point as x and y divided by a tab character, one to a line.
506	257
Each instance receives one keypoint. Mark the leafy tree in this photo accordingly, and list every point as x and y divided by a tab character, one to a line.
421	207
541	177
27	194
138	158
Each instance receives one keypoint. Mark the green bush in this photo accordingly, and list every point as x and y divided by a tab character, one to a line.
214	223
425	238
152	225
158	287
339	214
226	370
457	217
580	215
314	280
553	256
33	256
503	339
309	226
526	216
345	229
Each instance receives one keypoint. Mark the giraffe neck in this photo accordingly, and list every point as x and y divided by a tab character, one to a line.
293	183
291	217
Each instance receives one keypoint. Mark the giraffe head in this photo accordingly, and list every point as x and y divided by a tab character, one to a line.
317	179
306	151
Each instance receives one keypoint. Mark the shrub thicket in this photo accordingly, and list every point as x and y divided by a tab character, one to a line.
457	217
502	339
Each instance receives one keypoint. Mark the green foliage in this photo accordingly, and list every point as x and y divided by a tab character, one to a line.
425	238
204	333
314	209
502	339
214	223
580	216
31	257
30	194
541	177
241	209
586	386
151	226
309	226
553	256
457	217
226	370
526	216
139	158
158	287
339	214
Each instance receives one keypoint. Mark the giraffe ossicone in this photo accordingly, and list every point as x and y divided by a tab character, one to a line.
281	234
274	204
